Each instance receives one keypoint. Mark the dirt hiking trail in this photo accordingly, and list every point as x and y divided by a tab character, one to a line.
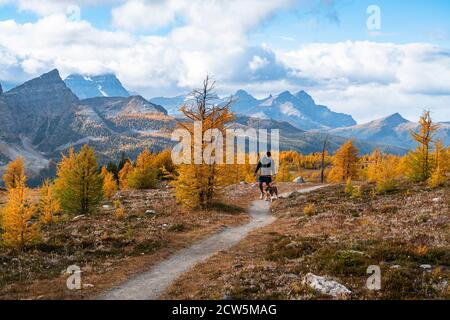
151	284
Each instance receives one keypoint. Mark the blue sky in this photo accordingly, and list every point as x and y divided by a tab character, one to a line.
166	47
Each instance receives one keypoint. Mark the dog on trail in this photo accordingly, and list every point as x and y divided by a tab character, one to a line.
271	193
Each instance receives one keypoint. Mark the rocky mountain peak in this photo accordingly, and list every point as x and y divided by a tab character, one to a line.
305	98
394	120
1	90
104	85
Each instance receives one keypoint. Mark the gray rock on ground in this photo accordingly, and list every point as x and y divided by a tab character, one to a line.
326	286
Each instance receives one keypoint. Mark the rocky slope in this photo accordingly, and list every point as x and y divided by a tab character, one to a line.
42	118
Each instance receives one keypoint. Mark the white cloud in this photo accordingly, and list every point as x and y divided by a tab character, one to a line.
366	79
211	40
370	79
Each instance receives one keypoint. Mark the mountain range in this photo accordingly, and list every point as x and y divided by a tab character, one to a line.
393	130
44	117
298	109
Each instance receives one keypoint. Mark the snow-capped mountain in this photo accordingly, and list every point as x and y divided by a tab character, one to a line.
393	130
106	85
300	110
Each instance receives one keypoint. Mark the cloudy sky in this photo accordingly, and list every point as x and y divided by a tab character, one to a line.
344	56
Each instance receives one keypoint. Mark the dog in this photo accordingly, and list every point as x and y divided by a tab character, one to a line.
271	193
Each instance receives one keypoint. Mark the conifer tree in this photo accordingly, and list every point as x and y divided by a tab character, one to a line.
199	184
14	174
48	204
109	183
418	162
439	175
123	175
143	175
18	229
284	174
345	163
79	186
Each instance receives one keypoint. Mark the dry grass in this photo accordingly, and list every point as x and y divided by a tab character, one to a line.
107	249
399	232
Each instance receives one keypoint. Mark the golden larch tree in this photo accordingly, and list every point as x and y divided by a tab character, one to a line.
49	205
144	175
109	183
198	185
18	229
123	175
441	171
418	163
14	173
79	186
345	163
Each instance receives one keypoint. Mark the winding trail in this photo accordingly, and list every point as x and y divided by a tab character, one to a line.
151	284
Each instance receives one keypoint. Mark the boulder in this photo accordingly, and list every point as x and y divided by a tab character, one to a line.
299	180
326	286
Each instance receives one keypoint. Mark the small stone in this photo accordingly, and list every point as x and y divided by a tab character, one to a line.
299	180
326	286
150	212
78	217
87	285
395	266
426	266
106	206
436	199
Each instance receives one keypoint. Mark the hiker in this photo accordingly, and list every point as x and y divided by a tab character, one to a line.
266	166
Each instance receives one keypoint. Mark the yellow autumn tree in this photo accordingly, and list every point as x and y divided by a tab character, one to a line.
143	175
109	183
345	163
49	206
384	171
123	175
14	173
440	174
18	229
163	162
199	184
418	162
284	174
78	186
